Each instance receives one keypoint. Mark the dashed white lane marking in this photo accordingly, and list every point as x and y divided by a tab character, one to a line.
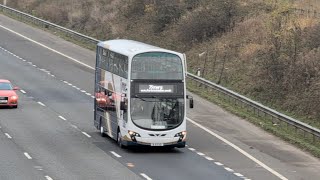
229	169
47	47
191	149
69	84
22	91
74	86
88	94
92	97
83	91
218	163
200	153
238	174
8	135
145	176
48	178
27	155
79	62
202	127
115	154
239	150
65	82
209	158
41	103
61	117
86	134
78	88
74	126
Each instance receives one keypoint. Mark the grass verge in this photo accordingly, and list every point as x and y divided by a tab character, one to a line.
278	128
287	133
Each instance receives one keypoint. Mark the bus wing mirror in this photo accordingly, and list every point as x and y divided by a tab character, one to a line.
123	106
190	101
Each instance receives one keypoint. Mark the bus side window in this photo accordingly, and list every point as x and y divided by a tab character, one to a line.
121	67
110	65
125	68
116	66
106	64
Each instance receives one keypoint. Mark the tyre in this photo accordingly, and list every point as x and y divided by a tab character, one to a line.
101	130
119	140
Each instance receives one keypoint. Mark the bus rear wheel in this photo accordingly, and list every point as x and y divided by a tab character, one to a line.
101	129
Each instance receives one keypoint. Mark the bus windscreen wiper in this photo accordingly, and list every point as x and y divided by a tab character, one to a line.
142	99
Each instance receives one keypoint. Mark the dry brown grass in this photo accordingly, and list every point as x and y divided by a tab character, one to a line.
263	50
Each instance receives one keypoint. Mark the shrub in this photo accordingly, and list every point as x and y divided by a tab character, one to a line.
207	22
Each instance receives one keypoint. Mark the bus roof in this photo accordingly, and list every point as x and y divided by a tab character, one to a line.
131	48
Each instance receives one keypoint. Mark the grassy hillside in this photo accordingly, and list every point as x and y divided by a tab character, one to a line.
260	48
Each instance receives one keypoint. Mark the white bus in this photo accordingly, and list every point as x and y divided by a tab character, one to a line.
140	94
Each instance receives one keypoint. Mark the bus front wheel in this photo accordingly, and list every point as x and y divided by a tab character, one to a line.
119	139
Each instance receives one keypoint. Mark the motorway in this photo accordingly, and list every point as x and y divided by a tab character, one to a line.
51	134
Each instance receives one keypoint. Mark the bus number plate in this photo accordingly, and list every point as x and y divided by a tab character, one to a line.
156	144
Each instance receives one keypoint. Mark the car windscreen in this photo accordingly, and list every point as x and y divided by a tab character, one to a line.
5	86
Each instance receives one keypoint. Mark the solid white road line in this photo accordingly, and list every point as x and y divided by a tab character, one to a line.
41	103
61	117
27	155
8	135
240	150
202	127
115	154
79	62
145	176
48	178
86	134
22	91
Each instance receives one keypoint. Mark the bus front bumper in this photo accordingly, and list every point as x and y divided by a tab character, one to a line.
181	144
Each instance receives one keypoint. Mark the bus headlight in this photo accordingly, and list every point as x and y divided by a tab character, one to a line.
182	136
133	135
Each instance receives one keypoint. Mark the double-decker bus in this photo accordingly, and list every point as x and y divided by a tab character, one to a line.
140	94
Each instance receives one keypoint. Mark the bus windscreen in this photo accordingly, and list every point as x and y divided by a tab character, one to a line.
157	66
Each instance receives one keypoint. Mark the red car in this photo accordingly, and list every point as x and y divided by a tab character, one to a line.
8	96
